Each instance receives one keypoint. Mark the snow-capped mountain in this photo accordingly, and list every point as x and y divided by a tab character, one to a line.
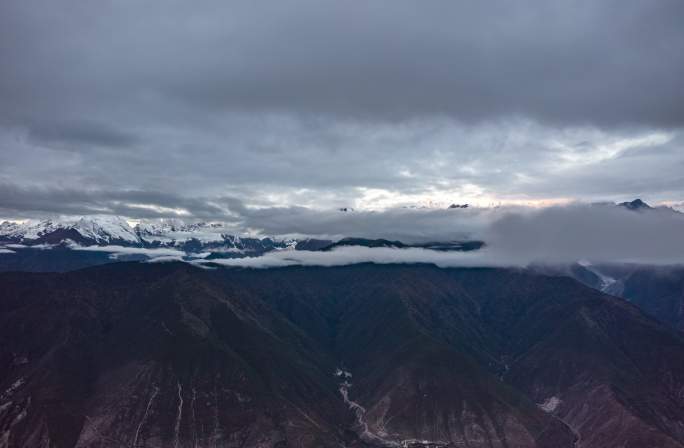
102	230
176	232
106	229
96	229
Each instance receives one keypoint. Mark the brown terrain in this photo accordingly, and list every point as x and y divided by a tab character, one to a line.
159	355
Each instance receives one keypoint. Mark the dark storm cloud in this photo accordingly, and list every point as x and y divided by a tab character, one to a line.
326	104
81	133
594	62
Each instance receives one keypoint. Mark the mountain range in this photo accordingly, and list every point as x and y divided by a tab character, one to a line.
102	230
657	290
219	238
160	355
48	245
97	354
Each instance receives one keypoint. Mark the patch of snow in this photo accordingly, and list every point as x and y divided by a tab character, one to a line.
105	229
32	230
176	232
227	250
342	373
99	228
13	388
606	281
550	404
16	385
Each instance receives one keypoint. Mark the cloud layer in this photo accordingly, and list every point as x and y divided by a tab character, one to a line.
174	109
518	237
513	236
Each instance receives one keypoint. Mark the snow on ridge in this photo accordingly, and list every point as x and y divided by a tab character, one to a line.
108	230
29	230
9	227
99	228
550	404
177	232
103	228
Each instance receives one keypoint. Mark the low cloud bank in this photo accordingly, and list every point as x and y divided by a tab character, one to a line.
357	254
116	251
514	236
599	233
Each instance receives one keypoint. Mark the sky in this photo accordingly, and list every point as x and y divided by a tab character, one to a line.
269	112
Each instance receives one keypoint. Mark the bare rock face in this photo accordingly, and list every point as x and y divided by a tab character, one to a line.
168	355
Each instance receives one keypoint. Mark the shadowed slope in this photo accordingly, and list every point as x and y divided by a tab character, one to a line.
169	355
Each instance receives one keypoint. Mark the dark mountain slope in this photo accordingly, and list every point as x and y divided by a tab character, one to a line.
58	259
659	291
611	373
134	354
377	321
112	355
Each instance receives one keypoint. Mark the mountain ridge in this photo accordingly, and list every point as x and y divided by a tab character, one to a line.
478	356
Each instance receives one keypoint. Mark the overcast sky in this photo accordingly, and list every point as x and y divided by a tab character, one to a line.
225	109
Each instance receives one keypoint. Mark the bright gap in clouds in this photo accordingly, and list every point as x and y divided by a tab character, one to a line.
371	166
605	151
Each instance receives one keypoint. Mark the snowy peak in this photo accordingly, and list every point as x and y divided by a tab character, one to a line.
176	232
103	230
96	229
212	240
9	229
106	229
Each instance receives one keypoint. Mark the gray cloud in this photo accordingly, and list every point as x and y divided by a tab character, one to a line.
598	233
108	106
407	225
118	251
85	132
515	235
35	202
355	254
611	62
521	237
